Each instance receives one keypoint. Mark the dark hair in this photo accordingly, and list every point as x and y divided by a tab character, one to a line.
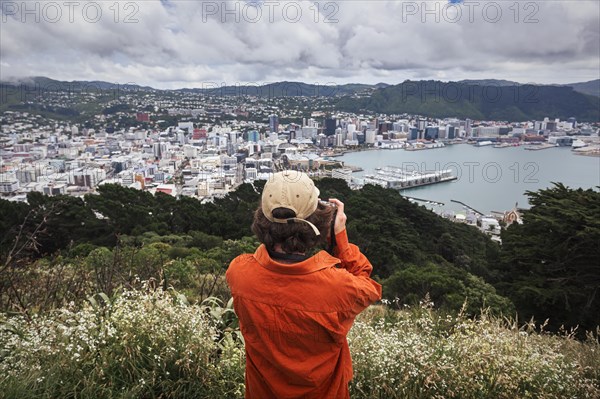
293	237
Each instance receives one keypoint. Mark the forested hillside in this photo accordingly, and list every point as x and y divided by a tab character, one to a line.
67	248
475	101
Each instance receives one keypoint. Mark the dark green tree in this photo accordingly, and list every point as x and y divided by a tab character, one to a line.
551	262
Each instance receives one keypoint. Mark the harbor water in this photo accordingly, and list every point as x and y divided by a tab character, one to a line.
488	178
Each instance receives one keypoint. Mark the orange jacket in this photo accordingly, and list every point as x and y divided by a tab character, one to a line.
295	318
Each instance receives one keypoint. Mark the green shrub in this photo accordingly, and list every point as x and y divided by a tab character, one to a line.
179	252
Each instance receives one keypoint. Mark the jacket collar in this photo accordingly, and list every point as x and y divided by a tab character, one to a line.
320	260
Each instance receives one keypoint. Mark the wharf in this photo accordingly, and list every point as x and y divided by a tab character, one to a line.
539	147
399	178
593	151
353	168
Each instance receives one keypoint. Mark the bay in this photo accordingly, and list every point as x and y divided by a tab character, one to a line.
488	178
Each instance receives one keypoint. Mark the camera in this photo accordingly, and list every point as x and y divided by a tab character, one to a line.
327	203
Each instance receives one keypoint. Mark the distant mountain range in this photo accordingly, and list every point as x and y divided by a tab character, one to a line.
285	89
489	99
45	83
592	87
276	89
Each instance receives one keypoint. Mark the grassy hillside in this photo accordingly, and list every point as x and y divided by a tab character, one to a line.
152	343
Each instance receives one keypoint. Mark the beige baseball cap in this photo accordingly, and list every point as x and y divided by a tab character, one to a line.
292	190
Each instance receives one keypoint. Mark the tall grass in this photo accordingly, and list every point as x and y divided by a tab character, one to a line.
419	353
144	344
151	343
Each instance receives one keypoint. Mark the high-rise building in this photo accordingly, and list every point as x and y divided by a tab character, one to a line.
450	132
385	126
330	126
360	137
273	123
351	128
443	132
370	136
431	132
330	141
400	126
157	150
253	136
413	134
322	141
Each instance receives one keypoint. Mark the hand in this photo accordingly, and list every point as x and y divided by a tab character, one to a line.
340	216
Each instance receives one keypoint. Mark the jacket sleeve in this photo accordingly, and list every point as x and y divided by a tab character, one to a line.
352	259
357	264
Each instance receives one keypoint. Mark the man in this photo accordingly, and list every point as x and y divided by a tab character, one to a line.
295	309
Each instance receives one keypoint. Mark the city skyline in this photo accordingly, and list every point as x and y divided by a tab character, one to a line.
177	44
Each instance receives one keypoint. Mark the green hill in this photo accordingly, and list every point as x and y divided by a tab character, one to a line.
284	89
475	101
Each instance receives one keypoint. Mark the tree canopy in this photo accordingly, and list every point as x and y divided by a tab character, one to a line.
551	263
547	267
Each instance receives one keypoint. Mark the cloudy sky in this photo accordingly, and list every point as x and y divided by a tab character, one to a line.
188	43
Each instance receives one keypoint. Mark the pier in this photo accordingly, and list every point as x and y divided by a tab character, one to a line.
467	206
399	178
353	168
538	147
424	200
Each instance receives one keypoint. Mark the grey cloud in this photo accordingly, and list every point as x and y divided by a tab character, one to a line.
174	43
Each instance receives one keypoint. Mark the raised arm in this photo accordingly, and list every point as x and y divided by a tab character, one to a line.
352	259
356	263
